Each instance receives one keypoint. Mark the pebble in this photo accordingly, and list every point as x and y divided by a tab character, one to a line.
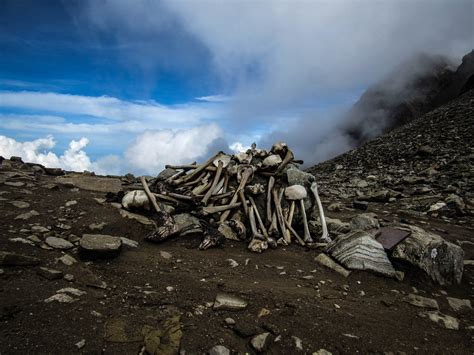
298	343
129	243
225	301
20	204
69	277
232	263
67	260
14	183
458	304
27	215
58	243
165	255
39	229
50	274
169	288
259	342
61	298
21	240
322	352
94	246
420	301
229	321
70	203
443	319
81	344
219	350
97	226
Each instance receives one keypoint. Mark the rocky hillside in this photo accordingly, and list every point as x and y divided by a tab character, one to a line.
414	88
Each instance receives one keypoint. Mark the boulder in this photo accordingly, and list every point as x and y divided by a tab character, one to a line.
358	250
99	246
441	260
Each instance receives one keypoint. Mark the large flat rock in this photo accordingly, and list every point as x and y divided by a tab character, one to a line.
92	183
99	246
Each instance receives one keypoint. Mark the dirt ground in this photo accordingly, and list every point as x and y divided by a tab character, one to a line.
363	313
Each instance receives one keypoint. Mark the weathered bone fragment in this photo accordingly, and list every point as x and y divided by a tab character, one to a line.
216	209
220	166
288	158
271	182
258	242
325	236
259	219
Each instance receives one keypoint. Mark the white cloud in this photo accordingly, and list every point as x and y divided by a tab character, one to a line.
39	151
110	108
238	147
153	149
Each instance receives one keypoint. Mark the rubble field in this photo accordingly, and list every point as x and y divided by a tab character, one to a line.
370	252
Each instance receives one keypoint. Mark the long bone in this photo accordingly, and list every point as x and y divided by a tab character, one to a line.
258	242
277	195
259	219
188	177
221	162
246	174
286	160
298	193
325	237
271	183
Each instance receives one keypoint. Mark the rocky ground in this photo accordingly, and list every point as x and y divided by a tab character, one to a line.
281	301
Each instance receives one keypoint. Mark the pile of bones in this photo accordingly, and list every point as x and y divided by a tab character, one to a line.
257	196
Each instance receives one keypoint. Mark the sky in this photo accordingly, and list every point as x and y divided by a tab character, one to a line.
119	86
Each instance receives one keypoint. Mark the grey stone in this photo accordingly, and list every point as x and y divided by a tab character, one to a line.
50	274
446	321
73	291
14	183
80	344
61	298
165	255
423	302
39	229
441	260
93	246
458	304
27	215
296	176
229	321
219	350
187	224
259	342
326	261
93	183
322	352
229	302
97	226
139	218
70	203
129	242
360	251
365	221
20	204
58	243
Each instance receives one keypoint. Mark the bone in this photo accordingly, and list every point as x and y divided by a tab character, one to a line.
197	170
259	219
325	236
271	182
214	183
245	176
277	195
307	236
244	204
216	209
151	197
273	229
218	189
288	158
296	235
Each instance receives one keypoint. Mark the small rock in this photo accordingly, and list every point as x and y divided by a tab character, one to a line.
229	302
21	240
365	221
73	291
61	298
27	215
325	260
229	321
298	343
139	218
420	301
58	243
93	246
69	277
443	319
81	344
129	243
169	288
232	263
97	226
70	203
14	183
39	229
458	304
259	342
67	260
219	350
322	352
20	204
165	255
50	274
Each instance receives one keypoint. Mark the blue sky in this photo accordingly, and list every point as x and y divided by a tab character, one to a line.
124	85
